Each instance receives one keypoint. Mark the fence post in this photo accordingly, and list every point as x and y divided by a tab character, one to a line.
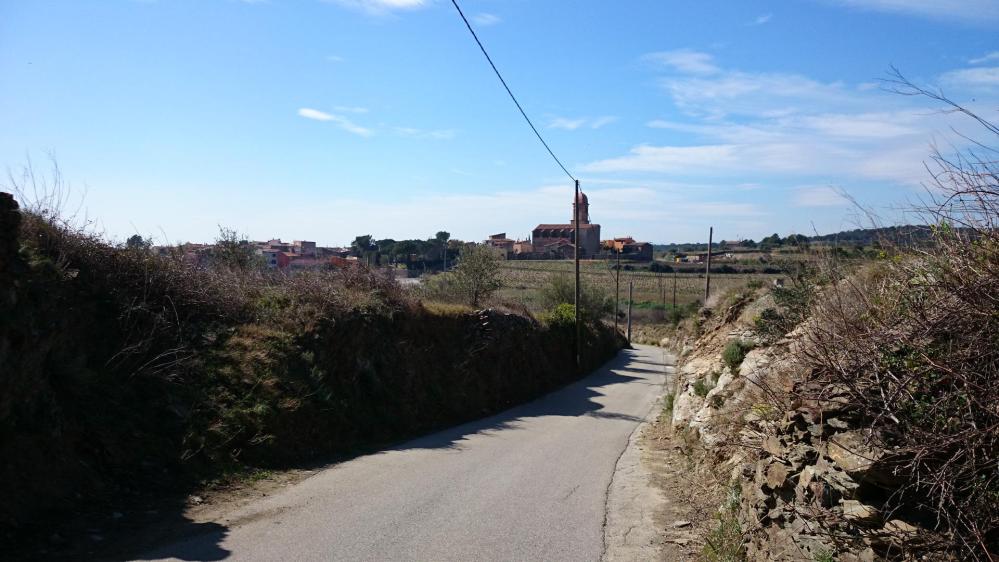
707	269
631	298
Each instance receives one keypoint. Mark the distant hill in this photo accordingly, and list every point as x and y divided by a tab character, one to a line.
856	237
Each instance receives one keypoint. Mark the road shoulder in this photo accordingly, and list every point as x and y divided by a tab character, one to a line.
633	501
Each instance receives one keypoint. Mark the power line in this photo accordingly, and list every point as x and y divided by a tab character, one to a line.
513	97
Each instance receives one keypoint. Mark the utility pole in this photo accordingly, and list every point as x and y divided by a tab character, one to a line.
617	290
631	297
707	269
575	252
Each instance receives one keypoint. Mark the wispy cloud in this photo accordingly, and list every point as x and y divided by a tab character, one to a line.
433	134
337	120
350	109
485	19
819	196
334	58
571	124
987	57
645	158
790	126
602	121
380	6
972	11
975	78
566	123
760	20
687	61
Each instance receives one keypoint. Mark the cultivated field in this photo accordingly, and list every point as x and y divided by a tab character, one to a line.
523	280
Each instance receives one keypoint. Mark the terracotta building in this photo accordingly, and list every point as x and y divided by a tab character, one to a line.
558	238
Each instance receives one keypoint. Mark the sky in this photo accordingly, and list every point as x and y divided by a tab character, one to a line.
327	119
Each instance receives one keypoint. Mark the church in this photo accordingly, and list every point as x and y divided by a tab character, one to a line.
559	239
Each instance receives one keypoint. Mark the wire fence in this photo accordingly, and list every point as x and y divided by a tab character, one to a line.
524	283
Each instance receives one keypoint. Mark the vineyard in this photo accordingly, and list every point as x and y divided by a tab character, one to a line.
523	281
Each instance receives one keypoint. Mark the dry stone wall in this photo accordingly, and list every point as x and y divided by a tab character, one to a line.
811	484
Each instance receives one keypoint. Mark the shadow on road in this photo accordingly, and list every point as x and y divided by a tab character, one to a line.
181	538
577	399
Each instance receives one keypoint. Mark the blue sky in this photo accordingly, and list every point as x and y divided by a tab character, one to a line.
322	120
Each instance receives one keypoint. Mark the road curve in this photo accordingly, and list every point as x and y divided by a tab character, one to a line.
527	484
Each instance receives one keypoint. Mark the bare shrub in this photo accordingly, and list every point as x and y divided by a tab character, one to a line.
915	342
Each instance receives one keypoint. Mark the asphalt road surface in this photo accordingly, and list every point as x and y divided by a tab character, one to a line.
527	484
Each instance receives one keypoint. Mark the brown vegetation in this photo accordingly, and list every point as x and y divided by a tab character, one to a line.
127	373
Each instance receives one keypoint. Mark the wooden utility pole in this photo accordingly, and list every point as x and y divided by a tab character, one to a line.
575	251
617	290
707	268
631	297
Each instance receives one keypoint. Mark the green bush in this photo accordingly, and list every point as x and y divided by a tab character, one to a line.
562	316
595	303
735	352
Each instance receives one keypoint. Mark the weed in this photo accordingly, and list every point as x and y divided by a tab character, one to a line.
724	543
704	385
824	555
668	403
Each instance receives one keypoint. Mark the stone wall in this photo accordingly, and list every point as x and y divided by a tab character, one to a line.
812	486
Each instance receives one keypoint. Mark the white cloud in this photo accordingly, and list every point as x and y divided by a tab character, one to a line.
571	124
756	94
976	78
339	121
566	123
765	18
334	58
819	196
602	121
380	6
878	146
438	134
485	19
350	109
987	57
967	10
686	61
647	158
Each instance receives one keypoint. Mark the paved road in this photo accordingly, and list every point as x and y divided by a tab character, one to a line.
528	484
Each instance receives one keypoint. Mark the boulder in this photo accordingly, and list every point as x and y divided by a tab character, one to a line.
851	451
860	513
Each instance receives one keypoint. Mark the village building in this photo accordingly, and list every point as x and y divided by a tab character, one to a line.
501	244
628	248
559	239
523	247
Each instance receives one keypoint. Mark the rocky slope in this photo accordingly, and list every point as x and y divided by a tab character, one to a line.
807	481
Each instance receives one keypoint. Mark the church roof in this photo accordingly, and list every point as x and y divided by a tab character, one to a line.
564	226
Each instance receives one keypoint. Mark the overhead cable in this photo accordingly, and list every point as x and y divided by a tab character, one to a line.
508	91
